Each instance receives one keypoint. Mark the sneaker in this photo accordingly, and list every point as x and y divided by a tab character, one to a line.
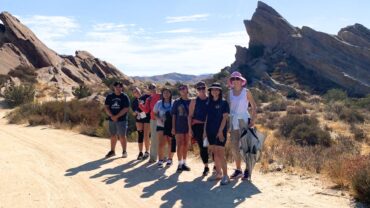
124	154
160	164
185	167
225	180
237	173
110	154
146	155
214	170
140	156
205	171
152	161
215	177
179	169
169	163
246	175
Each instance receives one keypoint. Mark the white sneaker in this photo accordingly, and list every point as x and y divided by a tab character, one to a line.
124	154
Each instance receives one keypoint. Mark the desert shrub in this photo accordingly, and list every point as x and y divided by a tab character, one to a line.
362	102
351	116
81	91
17	95
289	122
3	79
297	109
358	133
36	120
335	95
277	105
305	134
360	181
292	94
25	74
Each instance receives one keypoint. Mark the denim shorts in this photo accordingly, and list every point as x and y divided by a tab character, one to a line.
118	128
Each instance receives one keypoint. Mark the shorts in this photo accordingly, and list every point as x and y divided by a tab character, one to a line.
213	140
118	128
144	120
166	131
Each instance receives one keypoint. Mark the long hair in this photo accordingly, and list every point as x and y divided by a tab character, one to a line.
210	96
166	89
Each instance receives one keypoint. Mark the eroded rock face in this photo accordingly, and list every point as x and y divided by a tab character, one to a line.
19	46
343	60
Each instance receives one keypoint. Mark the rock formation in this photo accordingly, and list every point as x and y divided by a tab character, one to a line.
19	46
317	60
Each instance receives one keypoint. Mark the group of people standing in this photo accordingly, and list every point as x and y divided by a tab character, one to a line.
165	125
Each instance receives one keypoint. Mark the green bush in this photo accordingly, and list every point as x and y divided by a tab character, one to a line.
277	105
335	95
81	92
304	130
17	95
304	134
361	183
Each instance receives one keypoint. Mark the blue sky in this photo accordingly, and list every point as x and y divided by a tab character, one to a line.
147	37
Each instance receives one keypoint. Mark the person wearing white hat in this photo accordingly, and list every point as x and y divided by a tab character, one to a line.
242	109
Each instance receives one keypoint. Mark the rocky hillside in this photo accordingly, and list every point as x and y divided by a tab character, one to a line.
282	55
20	48
174	77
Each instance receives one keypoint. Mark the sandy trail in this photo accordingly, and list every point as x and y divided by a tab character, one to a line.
44	167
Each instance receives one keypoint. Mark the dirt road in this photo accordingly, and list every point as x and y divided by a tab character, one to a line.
44	167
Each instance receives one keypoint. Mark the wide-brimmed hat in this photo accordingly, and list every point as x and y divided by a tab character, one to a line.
237	74
152	86
215	85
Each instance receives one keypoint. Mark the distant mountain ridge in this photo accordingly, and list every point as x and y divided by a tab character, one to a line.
173	78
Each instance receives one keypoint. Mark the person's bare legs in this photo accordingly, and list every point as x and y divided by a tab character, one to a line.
235	148
217	161
222	159
185	146
113	142
146	136
140	127
123	141
179	141
161	144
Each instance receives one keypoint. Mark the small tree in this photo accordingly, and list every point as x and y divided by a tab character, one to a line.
17	95
81	92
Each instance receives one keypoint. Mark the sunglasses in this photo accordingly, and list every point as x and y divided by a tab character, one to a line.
201	88
119	86
235	79
152	88
182	88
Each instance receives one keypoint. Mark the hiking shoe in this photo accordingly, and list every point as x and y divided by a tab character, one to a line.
225	180
160	164
146	155
124	154
169	163
185	167
237	173
246	175
205	171
110	154
179	169
140	156
215	177
152	161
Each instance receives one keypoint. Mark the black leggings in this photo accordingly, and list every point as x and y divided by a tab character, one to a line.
198	135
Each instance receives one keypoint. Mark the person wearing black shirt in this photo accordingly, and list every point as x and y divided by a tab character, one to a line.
116	106
216	130
142	122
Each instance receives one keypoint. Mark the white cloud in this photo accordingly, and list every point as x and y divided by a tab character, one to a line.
50	27
138	52
190	18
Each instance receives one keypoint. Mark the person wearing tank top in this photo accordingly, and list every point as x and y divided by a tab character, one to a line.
196	120
242	111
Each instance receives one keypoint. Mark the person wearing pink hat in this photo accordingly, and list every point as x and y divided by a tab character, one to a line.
242	108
